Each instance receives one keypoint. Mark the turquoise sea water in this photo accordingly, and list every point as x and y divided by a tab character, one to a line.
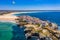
10	31
5	31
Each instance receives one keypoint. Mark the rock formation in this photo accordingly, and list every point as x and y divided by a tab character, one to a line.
38	29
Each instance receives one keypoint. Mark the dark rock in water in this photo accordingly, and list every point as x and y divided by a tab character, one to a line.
35	38
26	31
18	25
50	24
29	38
42	38
35	34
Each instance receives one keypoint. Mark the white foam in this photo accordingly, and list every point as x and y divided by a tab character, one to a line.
7	21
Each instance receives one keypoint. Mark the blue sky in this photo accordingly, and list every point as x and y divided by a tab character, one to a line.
30	5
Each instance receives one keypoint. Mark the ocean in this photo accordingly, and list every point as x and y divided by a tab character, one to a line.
45	16
10	31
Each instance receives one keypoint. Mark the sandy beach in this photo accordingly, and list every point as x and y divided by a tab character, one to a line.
8	17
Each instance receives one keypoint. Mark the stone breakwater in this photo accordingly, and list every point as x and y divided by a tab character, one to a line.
36	28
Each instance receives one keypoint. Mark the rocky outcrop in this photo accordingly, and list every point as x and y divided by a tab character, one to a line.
36	28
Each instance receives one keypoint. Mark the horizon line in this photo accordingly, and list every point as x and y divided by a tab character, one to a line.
30	10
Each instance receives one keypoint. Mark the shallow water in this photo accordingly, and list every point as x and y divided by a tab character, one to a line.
9	31
5	31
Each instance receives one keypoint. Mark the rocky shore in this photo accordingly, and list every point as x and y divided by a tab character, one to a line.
37	29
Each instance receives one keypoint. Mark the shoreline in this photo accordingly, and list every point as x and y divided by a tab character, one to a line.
8	21
8	17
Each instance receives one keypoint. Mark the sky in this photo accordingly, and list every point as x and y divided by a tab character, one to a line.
29	4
